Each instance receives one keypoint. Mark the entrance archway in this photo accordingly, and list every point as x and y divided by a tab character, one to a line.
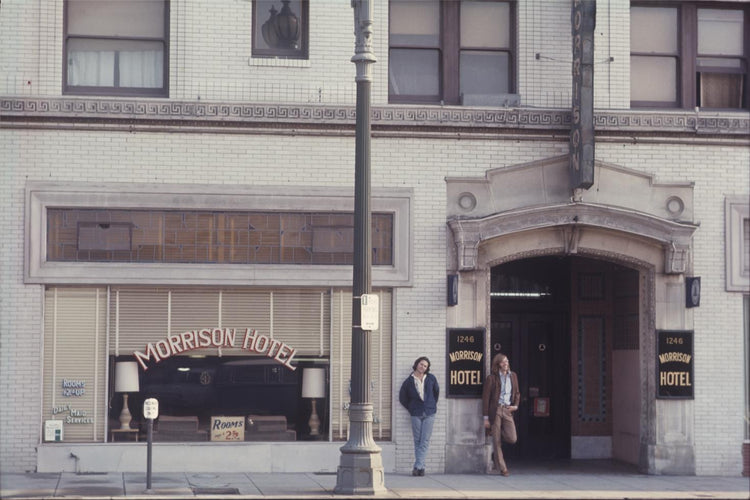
625	219
570	327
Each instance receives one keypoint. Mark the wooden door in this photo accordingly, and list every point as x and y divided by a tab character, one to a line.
591	347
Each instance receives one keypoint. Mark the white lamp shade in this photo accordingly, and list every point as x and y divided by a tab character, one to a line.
314	383
126	376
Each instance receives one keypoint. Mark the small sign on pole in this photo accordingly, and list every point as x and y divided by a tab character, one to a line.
370	311
150	412
151	408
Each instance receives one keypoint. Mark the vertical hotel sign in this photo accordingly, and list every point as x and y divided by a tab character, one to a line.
674	364
583	21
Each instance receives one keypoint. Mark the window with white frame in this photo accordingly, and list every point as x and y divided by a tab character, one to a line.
117	47
737	216
210	235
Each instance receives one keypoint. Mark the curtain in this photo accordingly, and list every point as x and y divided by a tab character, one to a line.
136	69
141	69
91	68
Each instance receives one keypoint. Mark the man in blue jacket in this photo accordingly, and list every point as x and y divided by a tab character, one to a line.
419	394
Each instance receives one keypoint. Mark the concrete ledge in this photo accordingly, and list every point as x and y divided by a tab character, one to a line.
199	457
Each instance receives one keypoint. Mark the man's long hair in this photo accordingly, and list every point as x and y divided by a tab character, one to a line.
495	367
419	360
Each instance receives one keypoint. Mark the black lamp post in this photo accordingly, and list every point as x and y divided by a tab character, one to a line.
361	467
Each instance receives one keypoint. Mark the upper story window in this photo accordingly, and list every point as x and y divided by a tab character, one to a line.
689	56
117	47
280	28
450	51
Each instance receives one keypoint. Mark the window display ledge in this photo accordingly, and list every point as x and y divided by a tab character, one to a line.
322	457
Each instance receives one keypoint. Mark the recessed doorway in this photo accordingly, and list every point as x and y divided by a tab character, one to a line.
570	328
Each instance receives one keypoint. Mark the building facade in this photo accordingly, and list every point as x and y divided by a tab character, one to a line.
177	209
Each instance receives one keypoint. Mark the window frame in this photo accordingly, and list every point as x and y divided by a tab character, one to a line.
302	53
68	89
687	54
449	50
40	195
736	217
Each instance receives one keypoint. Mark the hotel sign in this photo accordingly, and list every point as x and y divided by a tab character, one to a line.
465	362
248	340
583	21
674	364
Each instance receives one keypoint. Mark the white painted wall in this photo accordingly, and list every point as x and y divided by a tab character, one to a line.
210	54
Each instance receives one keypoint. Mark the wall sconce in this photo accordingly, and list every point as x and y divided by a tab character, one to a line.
692	291
314	386
126	380
281	30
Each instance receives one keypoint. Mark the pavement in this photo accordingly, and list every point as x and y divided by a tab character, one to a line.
574	479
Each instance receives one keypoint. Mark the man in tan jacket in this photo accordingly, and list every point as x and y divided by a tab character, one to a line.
500	398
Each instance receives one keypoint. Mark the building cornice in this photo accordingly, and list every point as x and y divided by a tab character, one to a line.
227	117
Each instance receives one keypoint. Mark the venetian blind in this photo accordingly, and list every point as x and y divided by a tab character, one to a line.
298	317
75	370
380	366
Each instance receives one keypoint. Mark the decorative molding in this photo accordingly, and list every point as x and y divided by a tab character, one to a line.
674	237
129	113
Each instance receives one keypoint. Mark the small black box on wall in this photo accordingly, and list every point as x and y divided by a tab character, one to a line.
452	289
692	292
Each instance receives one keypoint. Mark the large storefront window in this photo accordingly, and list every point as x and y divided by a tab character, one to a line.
224	364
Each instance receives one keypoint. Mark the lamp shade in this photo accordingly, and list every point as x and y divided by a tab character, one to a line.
126	376
314	383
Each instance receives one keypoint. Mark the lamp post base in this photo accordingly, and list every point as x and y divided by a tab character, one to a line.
360	474
360	469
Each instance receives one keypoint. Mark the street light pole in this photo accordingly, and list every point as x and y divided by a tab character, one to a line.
360	467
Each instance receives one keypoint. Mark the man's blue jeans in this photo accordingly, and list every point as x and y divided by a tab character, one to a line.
421	428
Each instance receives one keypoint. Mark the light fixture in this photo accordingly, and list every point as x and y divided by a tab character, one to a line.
126	380
314	386
281	30
520	295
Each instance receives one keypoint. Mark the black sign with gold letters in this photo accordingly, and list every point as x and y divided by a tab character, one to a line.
465	374
674	364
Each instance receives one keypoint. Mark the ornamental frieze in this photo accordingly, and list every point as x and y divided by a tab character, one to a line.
45	112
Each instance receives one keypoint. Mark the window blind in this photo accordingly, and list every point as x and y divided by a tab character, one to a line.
75	362
297	317
380	366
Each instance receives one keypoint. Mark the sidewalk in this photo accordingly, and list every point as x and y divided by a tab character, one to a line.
569	480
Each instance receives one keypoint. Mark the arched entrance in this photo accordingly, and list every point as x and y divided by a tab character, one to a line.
626	234
570	327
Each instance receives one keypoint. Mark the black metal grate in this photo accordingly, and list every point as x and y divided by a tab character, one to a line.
216	491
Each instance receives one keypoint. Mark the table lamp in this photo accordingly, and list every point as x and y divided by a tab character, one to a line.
314	386
126	380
